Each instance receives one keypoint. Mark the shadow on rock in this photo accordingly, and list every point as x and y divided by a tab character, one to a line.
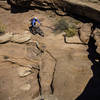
92	90
19	9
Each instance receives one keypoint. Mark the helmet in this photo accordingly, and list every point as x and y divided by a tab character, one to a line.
35	17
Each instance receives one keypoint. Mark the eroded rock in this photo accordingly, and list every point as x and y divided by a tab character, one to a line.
88	9
33	58
25	87
97	38
85	32
46	97
24	3
46	73
24	71
15	37
20	38
46	65
5	37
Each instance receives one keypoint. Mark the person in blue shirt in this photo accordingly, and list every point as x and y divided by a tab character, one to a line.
34	29
34	20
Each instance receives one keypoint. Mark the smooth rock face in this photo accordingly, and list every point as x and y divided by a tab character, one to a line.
17	38
25	87
19	2
46	97
46	73
30	59
85	32
23	71
20	38
5	37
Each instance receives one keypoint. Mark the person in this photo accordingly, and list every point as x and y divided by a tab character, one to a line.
34	29
34	20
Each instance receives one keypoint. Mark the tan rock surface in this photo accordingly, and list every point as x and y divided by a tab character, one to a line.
85	32
97	38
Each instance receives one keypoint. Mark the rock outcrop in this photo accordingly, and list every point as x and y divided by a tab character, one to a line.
85	32
84	8
23	3
97	38
29	58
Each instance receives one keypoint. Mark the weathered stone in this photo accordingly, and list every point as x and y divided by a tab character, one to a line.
33	57
94	1
5	37
19	2
20	38
17	88
46	73
97	38
90	10
25	87
85	32
23	71
46	65
46	97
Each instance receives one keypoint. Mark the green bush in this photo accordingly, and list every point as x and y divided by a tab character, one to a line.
60	26
2	28
70	32
68	27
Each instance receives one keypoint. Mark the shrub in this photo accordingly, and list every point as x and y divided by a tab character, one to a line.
68	27
70	32
60	26
2	29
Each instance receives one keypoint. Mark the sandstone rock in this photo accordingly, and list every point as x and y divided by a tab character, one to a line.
97	38
20	38
46	97
23	71
46	64
5	37
46	73
33	52
85	32
90	10
94	1
32	57
19	2
25	87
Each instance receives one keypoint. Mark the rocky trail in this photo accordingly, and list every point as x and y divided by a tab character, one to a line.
47	68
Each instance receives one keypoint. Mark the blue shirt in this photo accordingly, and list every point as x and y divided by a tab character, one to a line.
34	21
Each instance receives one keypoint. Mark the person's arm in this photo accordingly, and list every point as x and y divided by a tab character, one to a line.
38	21
33	22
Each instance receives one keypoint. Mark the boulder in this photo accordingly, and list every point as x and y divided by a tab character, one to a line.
19	2
97	38
46	97
24	71
85	32
25	87
5	37
86	8
21	38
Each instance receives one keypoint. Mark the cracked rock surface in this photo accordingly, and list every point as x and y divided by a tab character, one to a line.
32	68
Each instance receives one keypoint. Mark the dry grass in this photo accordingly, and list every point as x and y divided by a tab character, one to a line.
67	27
2	28
60	26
